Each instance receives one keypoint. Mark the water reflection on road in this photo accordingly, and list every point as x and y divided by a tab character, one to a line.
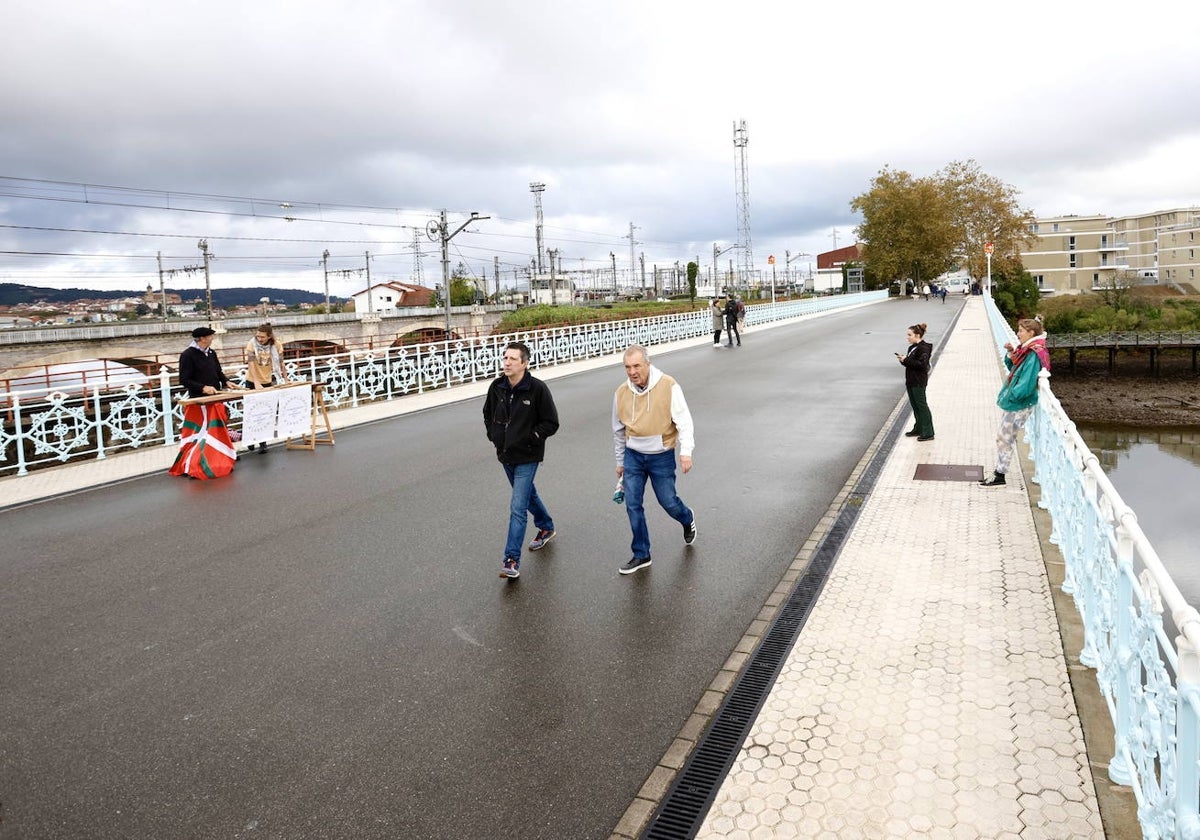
1156	472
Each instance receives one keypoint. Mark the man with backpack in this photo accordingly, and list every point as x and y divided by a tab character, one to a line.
731	320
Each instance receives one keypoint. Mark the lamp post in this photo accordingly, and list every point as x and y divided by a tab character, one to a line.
788	256
203	246
325	266
438	230
717	252
988	247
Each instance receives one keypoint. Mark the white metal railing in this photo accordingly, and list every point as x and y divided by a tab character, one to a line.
47	426
1121	589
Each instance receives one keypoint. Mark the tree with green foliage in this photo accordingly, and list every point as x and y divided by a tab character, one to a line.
1015	292
907	229
919	228
693	270
984	209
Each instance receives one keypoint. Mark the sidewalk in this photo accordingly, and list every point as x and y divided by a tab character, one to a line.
927	694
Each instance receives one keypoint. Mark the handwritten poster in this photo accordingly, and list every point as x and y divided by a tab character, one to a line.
259	410
295	412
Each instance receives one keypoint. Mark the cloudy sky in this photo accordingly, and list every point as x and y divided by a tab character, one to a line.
136	127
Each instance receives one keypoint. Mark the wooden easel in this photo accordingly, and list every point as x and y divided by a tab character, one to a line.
311	440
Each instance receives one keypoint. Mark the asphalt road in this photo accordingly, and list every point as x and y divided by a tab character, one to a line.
319	646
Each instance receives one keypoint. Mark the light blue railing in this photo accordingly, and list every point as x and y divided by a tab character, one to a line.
46	426
1121	590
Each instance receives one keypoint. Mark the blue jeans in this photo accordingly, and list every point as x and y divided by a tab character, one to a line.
525	500
660	469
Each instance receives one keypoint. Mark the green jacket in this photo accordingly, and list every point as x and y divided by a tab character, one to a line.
1020	390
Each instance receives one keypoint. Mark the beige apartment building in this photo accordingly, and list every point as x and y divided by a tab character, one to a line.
1077	254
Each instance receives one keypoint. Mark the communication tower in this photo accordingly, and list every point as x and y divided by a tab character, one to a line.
537	188
742	185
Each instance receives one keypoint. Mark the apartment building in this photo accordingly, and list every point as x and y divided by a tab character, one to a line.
1077	254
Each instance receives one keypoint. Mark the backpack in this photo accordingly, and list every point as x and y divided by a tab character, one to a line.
731	309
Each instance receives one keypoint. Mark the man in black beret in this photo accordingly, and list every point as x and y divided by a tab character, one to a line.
199	370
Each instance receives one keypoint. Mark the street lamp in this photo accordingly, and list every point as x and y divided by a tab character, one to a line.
788	256
717	252
203	246
436	230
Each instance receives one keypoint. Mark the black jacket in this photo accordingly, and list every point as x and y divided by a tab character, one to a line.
519	418
197	369
916	364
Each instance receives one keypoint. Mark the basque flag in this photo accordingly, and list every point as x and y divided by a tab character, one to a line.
206	450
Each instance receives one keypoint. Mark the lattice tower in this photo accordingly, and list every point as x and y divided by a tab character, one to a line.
742	187
537	189
418	273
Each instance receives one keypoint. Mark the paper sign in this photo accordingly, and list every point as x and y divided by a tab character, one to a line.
259	410
295	412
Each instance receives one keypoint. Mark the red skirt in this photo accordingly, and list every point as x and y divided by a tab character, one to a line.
205	450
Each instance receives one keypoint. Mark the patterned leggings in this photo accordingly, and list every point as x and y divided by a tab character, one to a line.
1011	422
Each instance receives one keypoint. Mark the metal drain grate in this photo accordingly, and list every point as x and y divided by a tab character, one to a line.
948	472
683	809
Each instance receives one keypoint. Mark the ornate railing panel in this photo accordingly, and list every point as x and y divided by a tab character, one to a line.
46	427
1122	591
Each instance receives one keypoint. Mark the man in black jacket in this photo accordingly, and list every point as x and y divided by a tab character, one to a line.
519	415
199	369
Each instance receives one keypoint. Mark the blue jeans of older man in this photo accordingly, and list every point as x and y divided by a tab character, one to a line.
525	501
660	470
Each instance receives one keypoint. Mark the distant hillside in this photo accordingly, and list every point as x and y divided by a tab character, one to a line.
13	293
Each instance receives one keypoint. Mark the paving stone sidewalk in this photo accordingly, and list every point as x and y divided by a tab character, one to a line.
927	695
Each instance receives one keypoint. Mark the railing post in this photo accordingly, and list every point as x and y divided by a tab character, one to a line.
1187	737
1126	660
168	414
20	439
99	421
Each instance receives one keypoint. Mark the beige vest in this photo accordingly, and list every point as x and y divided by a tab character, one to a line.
647	417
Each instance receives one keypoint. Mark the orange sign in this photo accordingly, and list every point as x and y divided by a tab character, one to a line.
989	248
771	260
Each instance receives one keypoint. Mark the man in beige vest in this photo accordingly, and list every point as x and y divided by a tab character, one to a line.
650	418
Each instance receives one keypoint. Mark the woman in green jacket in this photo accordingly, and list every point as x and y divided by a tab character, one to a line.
1019	393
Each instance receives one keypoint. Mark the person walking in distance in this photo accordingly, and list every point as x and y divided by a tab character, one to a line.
650	419
1019	393
916	379
718	320
731	321
519	414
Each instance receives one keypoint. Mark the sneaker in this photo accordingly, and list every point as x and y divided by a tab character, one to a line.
543	536
511	568
996	480
924	438
634	565
911	433
689	533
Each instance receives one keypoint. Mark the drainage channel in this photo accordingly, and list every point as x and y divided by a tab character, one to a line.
686	803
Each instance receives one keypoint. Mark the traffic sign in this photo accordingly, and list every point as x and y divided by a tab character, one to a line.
989	247
771	260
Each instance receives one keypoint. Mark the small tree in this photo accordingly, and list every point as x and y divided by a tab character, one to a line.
692	271
1016	293
1115	290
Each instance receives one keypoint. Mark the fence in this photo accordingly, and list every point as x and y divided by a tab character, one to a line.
1121	590
45	427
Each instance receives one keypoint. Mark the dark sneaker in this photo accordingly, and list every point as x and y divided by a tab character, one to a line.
634	565
924	438
911	433
543	536
511	568
996	480
689	533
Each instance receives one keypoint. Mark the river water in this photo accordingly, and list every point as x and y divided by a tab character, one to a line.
1157	473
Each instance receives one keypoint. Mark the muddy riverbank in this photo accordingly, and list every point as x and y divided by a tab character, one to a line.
1130	397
